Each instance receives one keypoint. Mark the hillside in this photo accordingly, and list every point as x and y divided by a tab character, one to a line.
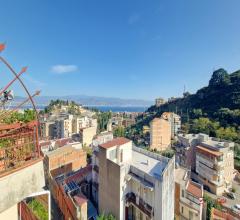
223	91
214	109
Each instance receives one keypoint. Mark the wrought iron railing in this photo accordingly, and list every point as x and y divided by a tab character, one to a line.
18	145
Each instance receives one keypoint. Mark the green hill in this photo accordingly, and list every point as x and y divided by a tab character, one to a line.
223	91
214	109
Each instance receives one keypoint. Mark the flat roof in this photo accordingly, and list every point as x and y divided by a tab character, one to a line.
61	150
180	175
115	142
205	150
147	164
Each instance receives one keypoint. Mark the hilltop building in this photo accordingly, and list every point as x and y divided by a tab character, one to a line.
135	183
160	134
159	102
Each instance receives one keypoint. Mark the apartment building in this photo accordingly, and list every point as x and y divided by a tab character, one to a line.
135	183
99	139
188	196
215	165
175	122
71	193
160	134
211	160
65	127
47	129
65	159
87	134
83	122
50	145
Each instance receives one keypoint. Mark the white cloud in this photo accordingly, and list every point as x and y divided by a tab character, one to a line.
60	69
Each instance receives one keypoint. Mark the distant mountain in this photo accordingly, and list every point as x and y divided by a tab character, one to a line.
90	101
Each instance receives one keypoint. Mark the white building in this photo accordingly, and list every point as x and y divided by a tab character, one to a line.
135	183
83	122
99	139
211	160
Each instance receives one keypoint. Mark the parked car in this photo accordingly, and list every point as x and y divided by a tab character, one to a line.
230	195
237	206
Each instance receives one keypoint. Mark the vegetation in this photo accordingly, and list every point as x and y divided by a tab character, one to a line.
106	217
88	150
214	110
169	153
38	209
211	203
119	131
73	107
103	119
6	142
15	117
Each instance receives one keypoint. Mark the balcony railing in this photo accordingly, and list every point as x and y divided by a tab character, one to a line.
140	203
18	145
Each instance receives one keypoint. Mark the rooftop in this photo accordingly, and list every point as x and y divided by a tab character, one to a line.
180	175
195	189
148	164
204	139
205	150
63	149
115	142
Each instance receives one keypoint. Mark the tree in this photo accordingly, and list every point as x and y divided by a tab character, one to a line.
106	217
219	77
211	204
119	131
103	119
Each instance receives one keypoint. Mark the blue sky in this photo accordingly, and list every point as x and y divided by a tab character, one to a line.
120	48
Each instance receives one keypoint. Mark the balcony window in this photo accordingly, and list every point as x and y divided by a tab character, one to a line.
219	159
182	193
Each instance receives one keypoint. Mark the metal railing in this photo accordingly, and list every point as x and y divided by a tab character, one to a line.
18	145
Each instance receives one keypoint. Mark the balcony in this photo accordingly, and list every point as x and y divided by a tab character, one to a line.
140	204
96	168
21	167
18	145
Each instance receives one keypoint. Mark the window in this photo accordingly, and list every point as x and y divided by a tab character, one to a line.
182	209
182	193
113	154
141	216
121	156
190	215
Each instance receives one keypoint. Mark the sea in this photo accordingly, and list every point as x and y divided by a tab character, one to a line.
121	108
108	108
